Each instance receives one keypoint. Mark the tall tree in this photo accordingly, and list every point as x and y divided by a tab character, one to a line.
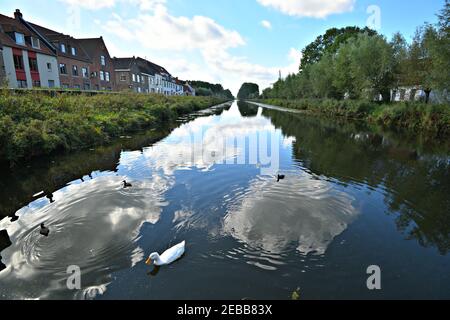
400	50
329	43
248	91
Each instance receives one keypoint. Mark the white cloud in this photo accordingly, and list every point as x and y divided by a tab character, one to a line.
310	8
266	24
90	4
254	222
191	48
236	69
102	4
160	30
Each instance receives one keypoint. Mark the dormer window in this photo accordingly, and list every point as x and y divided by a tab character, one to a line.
74	51
103	60
20	38
35	43
63	48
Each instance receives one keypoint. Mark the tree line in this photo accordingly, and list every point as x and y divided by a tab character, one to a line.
206	89
356	63
248	90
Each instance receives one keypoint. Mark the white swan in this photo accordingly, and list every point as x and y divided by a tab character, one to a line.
168	257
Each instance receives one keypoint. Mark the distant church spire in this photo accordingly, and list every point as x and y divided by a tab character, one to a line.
279	77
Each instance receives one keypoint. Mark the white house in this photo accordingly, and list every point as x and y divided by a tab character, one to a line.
28	62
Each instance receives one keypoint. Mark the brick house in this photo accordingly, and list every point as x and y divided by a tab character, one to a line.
74	65
135	74
28	61
102	69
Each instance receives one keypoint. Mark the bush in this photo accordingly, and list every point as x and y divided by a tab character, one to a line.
33	124
413	116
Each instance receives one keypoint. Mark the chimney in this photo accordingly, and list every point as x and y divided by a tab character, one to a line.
18	14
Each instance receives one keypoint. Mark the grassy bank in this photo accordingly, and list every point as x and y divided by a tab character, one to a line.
34	124
414	116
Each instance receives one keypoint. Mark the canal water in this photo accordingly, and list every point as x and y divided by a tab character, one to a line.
352	197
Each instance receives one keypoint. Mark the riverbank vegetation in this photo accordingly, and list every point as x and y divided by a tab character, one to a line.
34	124
346	71
433	119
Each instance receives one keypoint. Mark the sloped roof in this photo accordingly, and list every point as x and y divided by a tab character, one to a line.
11	25
55	36
154	67
145	66
122	63
92	44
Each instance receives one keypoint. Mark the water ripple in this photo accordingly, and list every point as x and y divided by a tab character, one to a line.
300	209
94	225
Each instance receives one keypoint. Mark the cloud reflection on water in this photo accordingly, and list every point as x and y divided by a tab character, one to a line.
94	225
299	209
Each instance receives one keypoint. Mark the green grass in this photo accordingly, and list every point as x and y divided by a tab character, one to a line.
433	119
34	124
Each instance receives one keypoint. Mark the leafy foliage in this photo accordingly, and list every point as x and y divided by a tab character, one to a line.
358	63
33	124
414	116
206	89
329	43
248	91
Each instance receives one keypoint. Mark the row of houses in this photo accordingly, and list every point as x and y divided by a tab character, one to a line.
32	56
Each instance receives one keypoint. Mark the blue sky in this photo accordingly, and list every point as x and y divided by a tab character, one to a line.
226	41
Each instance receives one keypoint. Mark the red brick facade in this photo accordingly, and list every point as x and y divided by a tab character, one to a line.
102	67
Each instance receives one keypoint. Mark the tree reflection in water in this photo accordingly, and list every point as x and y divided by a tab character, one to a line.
414	174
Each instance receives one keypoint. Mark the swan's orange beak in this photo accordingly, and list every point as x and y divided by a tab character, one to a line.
148	262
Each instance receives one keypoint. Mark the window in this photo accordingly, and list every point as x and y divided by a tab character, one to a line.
97	87
63	48
49	66
107	76
22	84
33	64
102	76
20	38
18	62
138	78
74	51
62	68
139	89
85	72
64	86
36	83
77	86
35	43
87	86
123	77
134	77
103	60
75	71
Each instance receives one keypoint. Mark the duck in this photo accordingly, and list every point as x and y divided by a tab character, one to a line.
44	230
280	177
126	184
169	256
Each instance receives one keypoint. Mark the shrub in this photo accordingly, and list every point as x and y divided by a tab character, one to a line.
34	123
413	116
